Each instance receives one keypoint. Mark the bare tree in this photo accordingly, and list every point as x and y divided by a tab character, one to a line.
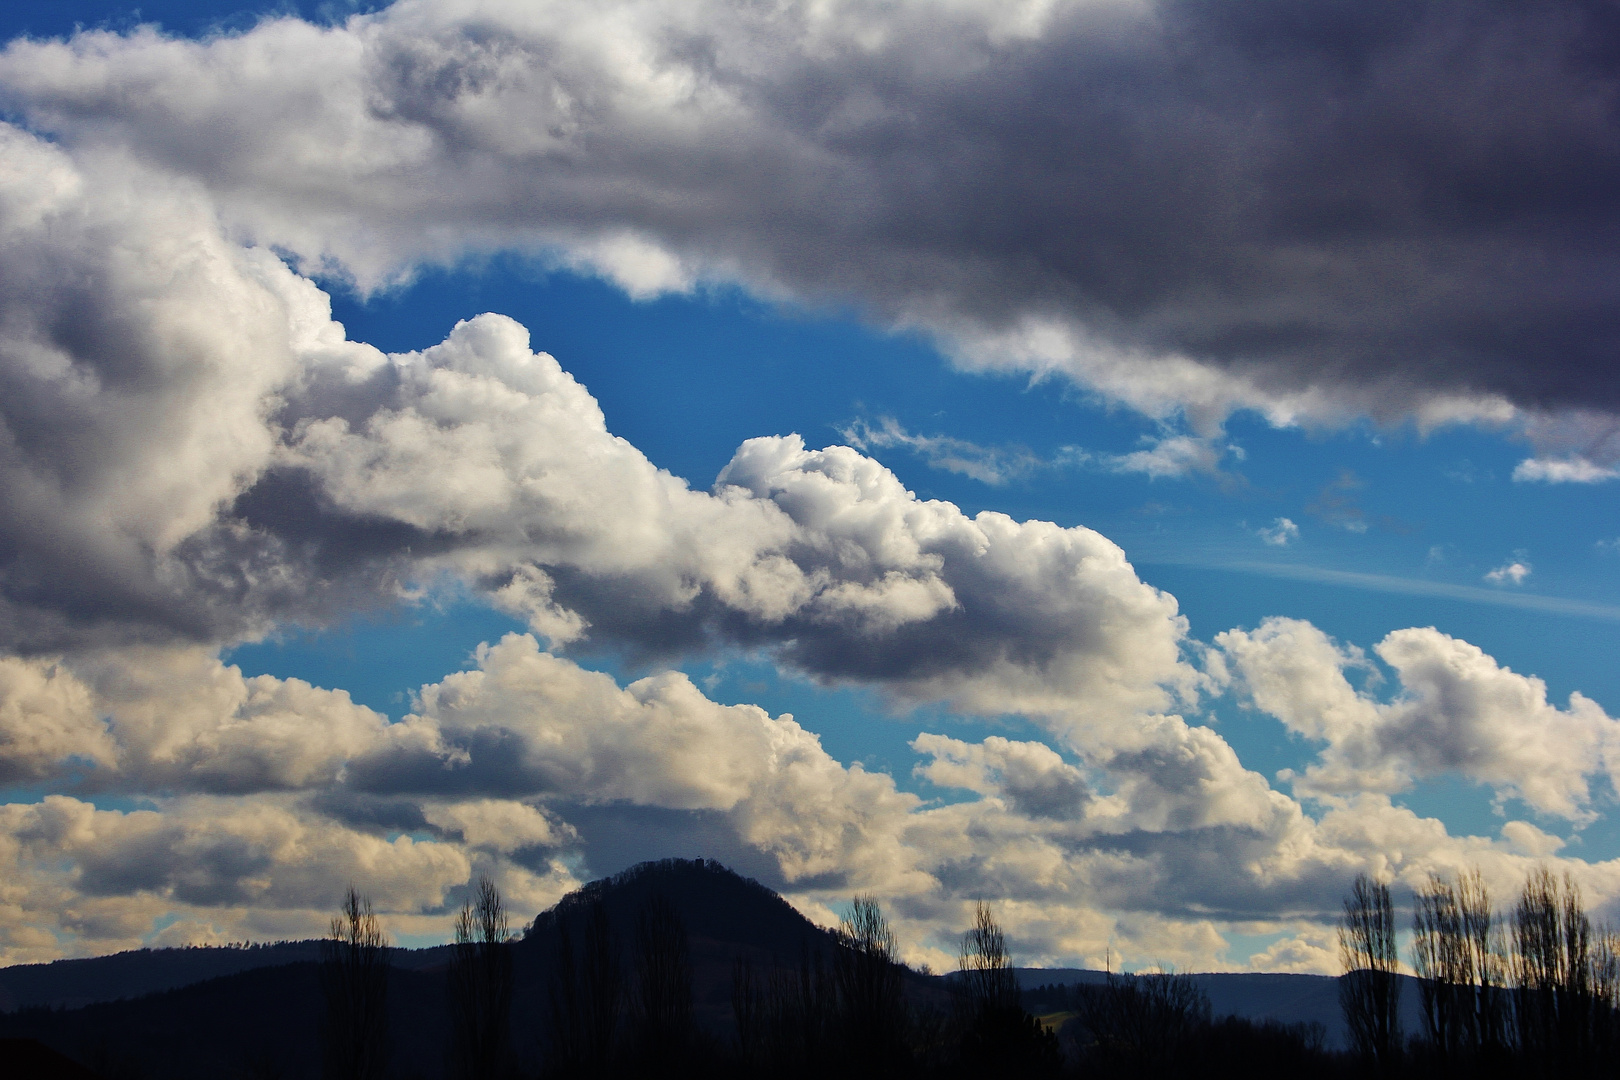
586	992
1487	954
1370	988
481	987
751	1009
1441	959
871	996
663	990
1141	1024
1605	993
1553	976
998	1038
354	983
785	1018
986	968
1458	956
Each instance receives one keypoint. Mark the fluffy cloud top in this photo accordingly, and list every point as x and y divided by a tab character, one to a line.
505	464
1456	710
46	719
140	355
229	473
1307	209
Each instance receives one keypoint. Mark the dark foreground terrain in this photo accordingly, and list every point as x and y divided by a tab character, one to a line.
758	990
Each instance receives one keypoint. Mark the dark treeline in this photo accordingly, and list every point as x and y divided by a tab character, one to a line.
1533	992
1158	1024
619	1002
687	969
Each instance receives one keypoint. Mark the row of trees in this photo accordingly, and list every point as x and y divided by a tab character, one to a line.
354	985
1158	1024
850	1013
843	1007
1535	990
591	1007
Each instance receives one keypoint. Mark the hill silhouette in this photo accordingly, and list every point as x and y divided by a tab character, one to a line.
727	917
221	1012
256	1012
717	904
67	984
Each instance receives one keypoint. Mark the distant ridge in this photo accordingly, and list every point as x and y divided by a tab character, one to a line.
1283	998
69	984
72	983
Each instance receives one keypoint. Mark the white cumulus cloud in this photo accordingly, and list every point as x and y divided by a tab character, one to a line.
1455	710
1280	533
1570	470
1509	573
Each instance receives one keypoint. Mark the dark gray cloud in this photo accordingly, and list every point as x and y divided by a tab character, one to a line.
1387	203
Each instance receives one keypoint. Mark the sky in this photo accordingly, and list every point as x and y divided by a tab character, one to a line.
1136	463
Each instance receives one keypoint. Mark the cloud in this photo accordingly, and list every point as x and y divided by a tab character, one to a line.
986	464
502	466
1336	506
1153	844
1385	583
103	877
1309	953
1455	710
175	720
1142	196
1174	456
228	475
499	769
501	825
1165	456
1579	445
1511	573
47	720
1031	776
1570	470
140	354
1280	533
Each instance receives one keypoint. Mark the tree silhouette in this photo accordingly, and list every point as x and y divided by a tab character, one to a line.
871	1000
587	991
786	1018
1142	1024
985	966
1370	989
663	989
354	983
998	1038
1459	958
1554	997
481	987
